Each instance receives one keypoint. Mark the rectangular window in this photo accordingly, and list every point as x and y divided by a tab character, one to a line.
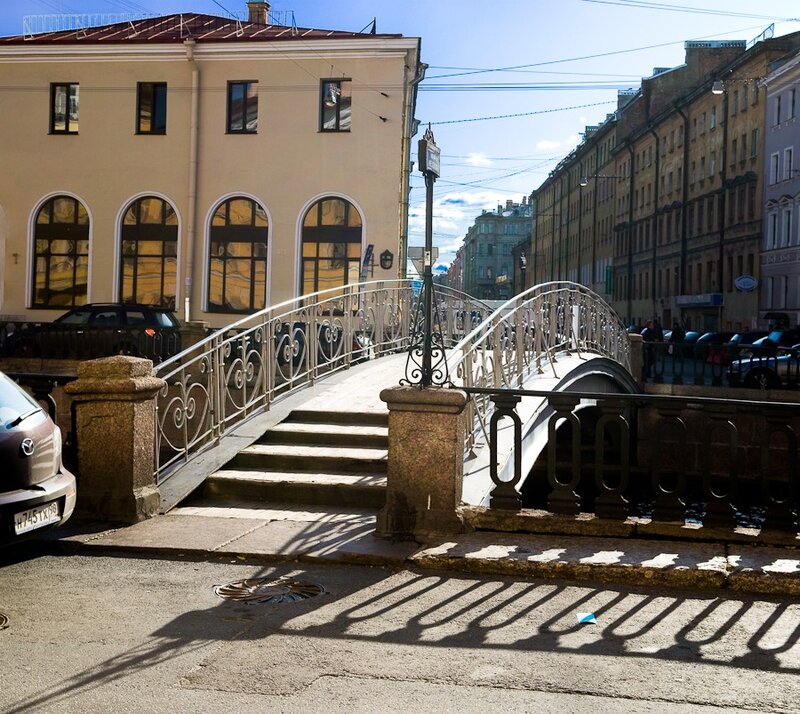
712	164
335	104
743	148
788	161
151	108
792	99
777	110
744	98
773	168
713	119
64	108
242	107
735	107
772	231
786	234
734	146
703	123
753	143
710	208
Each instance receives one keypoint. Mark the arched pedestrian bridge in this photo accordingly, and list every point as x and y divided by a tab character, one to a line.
555	337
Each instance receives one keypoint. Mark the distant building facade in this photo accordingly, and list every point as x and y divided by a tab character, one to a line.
487	260
779	287
659	208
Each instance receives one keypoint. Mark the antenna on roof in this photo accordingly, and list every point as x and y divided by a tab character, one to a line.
372	30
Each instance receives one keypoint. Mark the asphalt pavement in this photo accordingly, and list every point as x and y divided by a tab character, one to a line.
93	632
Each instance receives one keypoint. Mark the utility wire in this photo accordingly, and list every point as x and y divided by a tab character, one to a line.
585	57
522	114
643	5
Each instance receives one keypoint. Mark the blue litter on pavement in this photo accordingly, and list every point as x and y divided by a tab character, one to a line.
586	618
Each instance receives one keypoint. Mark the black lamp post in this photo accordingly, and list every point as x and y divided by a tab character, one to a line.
427	364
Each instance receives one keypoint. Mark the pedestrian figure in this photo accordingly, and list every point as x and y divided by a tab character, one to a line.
648	336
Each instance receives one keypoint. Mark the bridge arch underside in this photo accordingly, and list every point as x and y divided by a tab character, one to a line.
596	374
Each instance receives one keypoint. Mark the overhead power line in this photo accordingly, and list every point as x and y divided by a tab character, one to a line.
645	5
523	114
594	56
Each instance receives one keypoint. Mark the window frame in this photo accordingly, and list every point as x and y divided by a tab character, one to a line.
73	233
232	233
338	128
142	233
246	83
54	86
155	86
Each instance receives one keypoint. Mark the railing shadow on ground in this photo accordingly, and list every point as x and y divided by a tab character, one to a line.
414	617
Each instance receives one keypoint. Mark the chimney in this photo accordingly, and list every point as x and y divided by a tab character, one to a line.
258	12
509	204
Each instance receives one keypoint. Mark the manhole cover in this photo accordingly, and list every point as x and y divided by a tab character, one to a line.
268	590
3	621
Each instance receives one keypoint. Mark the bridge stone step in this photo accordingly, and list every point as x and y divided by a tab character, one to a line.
341	435
291	457
313	416
336	459
367	490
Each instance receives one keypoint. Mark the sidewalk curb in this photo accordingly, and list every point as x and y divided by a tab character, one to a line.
610	561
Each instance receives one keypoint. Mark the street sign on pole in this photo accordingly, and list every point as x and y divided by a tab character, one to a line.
416	254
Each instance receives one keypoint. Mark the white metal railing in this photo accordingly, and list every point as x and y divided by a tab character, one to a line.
237	372
523	337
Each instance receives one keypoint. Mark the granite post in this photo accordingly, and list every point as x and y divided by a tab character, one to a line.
114	402
426	463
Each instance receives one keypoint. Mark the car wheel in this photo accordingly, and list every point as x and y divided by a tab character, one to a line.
28	348
762	379
126	348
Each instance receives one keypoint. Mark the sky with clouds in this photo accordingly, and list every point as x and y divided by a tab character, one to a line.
511	84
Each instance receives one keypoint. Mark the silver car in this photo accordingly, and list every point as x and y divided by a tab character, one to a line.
36	491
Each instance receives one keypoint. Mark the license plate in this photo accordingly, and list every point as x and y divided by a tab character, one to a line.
38	517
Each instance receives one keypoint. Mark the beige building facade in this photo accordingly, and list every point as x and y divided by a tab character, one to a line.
210	165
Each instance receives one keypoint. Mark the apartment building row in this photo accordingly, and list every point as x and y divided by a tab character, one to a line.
210	165
682	205
487	265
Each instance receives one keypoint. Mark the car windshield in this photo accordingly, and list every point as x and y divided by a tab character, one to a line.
15	404
75	317
775	335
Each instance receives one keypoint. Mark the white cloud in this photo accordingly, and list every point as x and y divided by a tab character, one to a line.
478	160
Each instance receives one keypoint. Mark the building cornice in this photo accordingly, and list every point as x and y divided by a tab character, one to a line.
248	51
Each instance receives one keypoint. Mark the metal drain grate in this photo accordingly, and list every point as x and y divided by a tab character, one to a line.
268	590
3	621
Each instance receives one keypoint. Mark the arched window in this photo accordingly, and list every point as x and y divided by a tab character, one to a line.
331	245
61	253
237	265
149	266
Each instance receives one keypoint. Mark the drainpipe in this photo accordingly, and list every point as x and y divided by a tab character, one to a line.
684	194
580	222
193	141
631	179
723	194
656	222
405	162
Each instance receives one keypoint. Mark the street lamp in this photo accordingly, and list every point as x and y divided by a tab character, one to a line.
426	365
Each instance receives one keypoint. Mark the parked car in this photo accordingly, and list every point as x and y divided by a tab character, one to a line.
714	346
36	491
766	371
747	338
100	330
781	338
